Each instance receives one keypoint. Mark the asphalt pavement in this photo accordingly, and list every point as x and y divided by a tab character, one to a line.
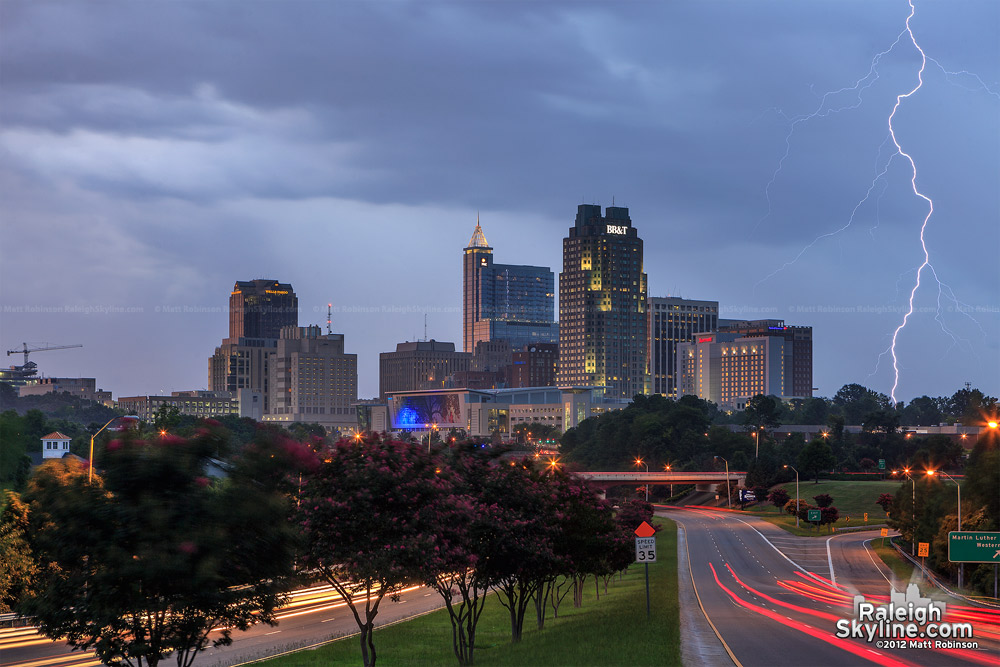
774	599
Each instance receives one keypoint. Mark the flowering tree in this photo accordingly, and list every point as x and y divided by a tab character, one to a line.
372	518
518	555
823	500
779	498
151	557
884	501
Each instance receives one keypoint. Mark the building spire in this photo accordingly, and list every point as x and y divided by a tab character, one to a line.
478	238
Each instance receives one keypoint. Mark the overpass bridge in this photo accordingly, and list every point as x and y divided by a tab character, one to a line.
703	481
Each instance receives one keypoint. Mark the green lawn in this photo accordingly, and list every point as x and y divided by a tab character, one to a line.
610	631
852	499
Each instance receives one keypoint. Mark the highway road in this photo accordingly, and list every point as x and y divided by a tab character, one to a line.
774	599
751	594
313	615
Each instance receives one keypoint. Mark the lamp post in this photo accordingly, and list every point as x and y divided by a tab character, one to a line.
666	468
958	487
729	495
90	474
433	428
640	462
913	509
796	495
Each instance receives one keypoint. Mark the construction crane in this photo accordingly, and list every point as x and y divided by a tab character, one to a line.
26	350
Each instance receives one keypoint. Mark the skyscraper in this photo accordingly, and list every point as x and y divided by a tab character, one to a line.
312	379
505	301
260	308
746	358
602	304
798	350
673	320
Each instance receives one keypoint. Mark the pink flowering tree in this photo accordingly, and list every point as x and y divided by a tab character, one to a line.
152	556
374	518
517	554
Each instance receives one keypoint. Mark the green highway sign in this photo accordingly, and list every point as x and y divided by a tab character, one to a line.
815	515
881	464
974	546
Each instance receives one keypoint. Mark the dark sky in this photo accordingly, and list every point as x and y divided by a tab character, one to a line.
153	153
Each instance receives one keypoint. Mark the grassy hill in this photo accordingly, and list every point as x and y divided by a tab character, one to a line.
852	499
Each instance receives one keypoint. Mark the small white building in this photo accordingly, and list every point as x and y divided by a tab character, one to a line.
55	445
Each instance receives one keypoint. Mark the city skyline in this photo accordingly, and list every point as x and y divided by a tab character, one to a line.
153	154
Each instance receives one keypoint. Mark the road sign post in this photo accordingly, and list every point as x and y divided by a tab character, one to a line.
814	516
645	552
923	550
885	534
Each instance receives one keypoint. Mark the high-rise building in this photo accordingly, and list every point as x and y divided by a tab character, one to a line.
312	379
602	304
534	366
241	364
505	301
673	320
798	349
743	359
419	365
260	308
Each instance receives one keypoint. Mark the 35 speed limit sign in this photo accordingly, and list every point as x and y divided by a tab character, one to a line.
645	550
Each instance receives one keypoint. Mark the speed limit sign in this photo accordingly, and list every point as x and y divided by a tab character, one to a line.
645	550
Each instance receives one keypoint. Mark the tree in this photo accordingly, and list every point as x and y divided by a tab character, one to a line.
151	556
854	401
823	500
521	551
779	498
167	417
922	411
801	508
761	412
884	501
372	518
20	569
970	405
828	515
816	456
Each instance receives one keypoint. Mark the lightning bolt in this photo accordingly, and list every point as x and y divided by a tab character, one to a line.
913	183
859	87
881	169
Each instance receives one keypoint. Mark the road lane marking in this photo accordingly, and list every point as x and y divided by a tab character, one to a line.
694	585
829	558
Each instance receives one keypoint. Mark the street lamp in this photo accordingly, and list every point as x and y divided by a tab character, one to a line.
796	495
729	495
433	428
90	475
640	462
958	487
913	509
666	468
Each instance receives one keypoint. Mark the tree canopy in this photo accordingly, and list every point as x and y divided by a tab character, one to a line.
151	557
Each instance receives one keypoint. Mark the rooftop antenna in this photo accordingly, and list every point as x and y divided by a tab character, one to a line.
425	327
329	317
